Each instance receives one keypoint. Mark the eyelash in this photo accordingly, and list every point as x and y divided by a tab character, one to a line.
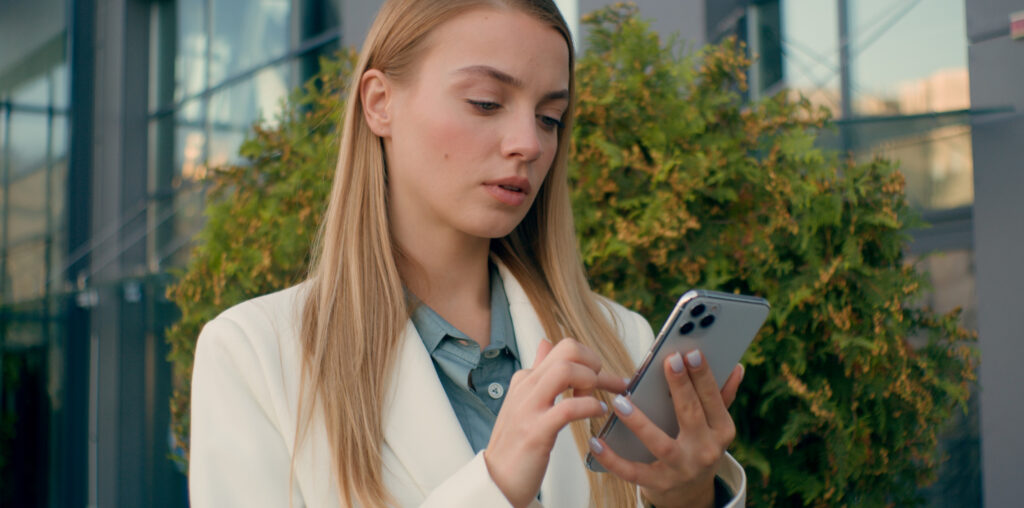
490	107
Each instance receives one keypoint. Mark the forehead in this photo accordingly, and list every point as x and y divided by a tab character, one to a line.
511	41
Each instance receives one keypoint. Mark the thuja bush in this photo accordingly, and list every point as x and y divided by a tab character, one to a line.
678	182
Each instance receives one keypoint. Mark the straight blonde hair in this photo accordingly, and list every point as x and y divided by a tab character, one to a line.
356	311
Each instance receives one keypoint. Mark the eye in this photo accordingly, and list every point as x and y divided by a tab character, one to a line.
485	106
550	122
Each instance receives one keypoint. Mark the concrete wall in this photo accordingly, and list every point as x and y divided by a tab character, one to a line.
997	80
683	17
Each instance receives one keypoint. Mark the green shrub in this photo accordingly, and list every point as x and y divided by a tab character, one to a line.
678	183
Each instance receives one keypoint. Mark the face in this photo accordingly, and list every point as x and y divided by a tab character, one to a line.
472	133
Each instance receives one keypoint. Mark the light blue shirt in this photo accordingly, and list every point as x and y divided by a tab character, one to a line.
475	381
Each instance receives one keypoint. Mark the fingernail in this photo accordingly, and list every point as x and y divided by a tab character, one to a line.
604	407
626	380
743	371
693	358
676	362
623	405
595	446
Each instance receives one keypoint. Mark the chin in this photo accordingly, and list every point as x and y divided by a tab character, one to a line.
495	229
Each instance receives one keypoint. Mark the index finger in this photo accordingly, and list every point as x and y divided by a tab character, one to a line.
571	350
706	387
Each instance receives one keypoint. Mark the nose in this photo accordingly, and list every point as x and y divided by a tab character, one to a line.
522	139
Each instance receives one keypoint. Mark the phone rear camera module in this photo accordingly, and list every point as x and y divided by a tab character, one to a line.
706	321
698	310
687	328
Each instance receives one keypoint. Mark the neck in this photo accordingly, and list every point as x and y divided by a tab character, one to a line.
447	270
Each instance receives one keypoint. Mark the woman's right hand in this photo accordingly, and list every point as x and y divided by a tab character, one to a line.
530	419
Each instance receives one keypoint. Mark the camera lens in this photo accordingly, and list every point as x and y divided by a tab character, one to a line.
687	328
698	310
707	320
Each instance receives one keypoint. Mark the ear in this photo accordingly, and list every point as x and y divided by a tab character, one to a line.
376	93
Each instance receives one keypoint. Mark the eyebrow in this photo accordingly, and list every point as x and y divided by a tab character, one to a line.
508	79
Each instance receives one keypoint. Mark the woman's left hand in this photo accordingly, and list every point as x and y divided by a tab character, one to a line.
684	472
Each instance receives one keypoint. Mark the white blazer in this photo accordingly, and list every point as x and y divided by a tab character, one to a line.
245	387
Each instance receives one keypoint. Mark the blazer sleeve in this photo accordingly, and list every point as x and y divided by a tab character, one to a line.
638	336
237	454
470	486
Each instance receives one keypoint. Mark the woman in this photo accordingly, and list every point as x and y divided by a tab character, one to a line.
446	262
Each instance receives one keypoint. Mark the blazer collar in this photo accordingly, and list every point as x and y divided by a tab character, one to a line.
421	428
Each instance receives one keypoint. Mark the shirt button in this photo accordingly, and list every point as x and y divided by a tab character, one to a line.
495	390
492	354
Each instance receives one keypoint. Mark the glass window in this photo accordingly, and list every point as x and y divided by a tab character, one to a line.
59	78
28	134
810	50
937	165
190	63
36	92
234	110
247	33
908	56
26	269
27	209
769	44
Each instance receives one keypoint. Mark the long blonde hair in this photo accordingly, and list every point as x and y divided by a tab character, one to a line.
356	311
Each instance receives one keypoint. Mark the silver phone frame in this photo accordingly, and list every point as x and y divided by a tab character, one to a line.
755	307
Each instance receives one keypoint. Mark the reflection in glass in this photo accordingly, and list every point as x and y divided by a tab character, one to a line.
60	86
908	56
190	64
936	163
26	264
247	33
28	134
27	210
810	51
36	92
234	110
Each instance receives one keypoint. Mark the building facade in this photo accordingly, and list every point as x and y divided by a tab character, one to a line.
111	112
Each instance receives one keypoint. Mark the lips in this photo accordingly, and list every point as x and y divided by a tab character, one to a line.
511	191
512	184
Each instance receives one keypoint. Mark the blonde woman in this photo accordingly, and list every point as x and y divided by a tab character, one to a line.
425	361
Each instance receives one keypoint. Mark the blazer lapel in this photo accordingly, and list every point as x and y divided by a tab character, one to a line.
565	481
420	426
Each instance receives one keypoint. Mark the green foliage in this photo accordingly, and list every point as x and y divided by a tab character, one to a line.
677	183
680	183
261	218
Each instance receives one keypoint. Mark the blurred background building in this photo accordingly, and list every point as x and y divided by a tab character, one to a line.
110	113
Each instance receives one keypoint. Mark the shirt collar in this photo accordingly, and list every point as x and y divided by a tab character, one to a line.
433	328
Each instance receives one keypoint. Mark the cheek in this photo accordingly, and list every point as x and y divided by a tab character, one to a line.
448	138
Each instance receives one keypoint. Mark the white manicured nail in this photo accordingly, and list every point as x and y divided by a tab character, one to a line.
693	358
676	362
623	405
604	407
595	446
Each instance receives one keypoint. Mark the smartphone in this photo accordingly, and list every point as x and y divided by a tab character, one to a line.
721	325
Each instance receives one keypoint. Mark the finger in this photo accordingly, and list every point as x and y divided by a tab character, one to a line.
707	390
569	410
732	385
556	377
633	472
543	349
611	383
686	401
571	350
663	446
